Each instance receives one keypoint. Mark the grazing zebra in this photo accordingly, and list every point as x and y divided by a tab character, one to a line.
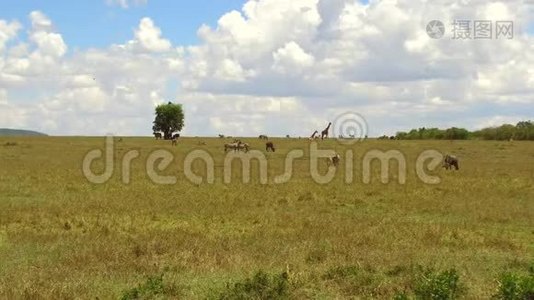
334	160
263	137
243	146
158	135
231	146
269	146
450	161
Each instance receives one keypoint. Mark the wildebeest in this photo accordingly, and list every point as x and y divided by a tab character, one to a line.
158	135
263	137
269	146
450	161
334	160
174	141
221	136
176	136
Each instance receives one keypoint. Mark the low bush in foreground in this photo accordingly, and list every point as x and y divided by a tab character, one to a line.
438	285
153	287
515	287
260	286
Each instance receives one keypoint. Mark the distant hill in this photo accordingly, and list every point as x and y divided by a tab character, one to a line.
19	132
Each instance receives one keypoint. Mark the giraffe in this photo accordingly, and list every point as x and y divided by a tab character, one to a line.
313	136
324	133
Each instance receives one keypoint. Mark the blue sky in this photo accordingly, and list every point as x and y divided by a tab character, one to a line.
95	23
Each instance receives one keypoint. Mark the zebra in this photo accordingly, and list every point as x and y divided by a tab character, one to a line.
450	161
231	146
243	146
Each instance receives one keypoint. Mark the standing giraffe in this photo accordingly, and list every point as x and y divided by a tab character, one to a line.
324	133
313	136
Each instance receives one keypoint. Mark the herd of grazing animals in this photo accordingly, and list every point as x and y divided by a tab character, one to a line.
449	161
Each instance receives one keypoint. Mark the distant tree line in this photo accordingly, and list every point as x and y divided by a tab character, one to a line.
522	131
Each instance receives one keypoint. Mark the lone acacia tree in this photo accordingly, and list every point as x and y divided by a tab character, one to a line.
169	119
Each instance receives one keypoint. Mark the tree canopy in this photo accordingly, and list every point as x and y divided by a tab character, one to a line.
169	119
521	131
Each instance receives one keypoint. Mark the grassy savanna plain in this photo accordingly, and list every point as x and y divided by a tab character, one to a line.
62	237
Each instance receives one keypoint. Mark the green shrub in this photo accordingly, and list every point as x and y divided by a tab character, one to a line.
515	287
153	287
438	286
260	286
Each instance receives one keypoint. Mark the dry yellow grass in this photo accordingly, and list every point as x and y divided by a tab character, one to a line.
62	237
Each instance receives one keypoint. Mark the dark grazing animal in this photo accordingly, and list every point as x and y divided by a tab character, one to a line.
450	161
269	146
334	160
158	135
263	137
